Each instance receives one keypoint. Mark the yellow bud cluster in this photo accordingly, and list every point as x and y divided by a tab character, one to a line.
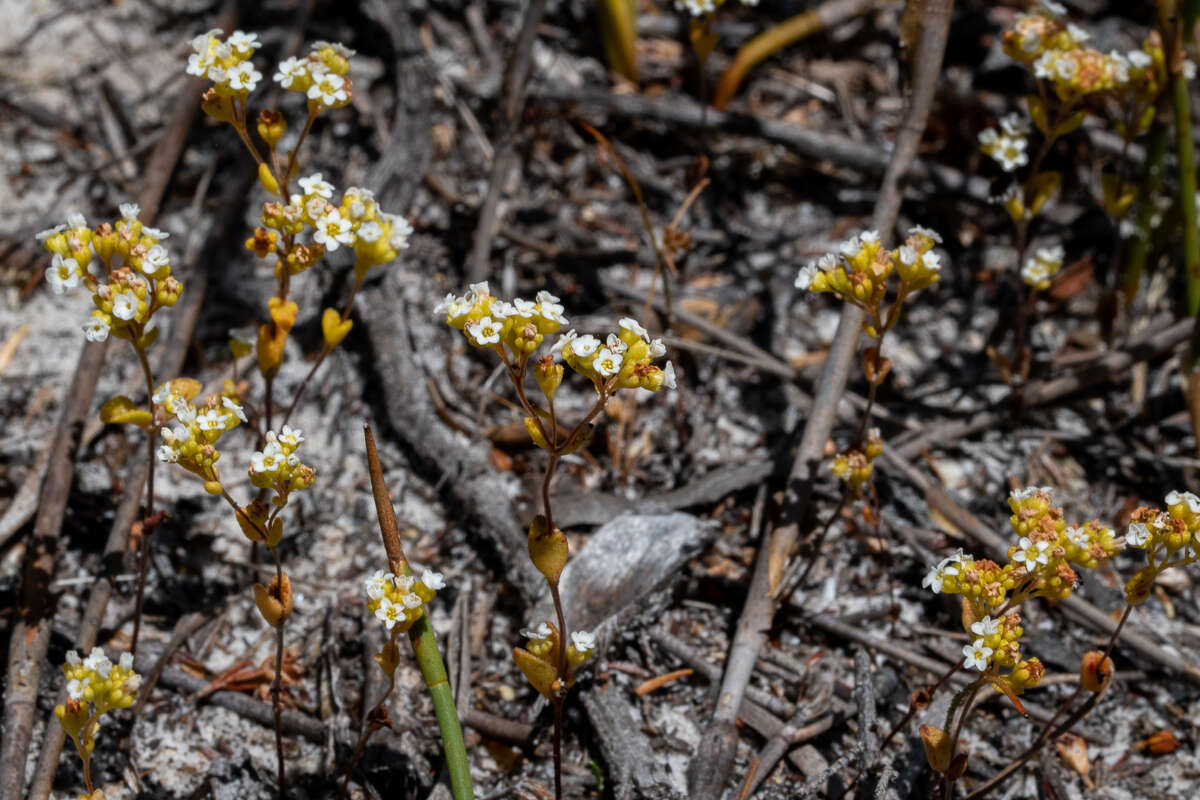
95	686
621	361
1040	565
854	467
538	660
1169	537
398	600
124	265
278	467
859	271
190	440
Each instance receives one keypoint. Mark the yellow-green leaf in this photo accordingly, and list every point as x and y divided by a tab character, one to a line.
1118	196
148	338
1070	123
1042	187
1037	112
547	549
120	410
541	674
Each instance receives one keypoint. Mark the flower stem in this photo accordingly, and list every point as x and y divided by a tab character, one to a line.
148	517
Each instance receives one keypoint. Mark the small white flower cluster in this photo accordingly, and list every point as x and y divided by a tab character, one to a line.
376	236
321	75
97	680
226	63
189	439
129	254
398	599
1008	145
582	641
1041	267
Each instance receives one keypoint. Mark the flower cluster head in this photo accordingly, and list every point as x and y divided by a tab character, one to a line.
278	467
1008	145
398	600
190	432
355	222
1041	267
125	266
1169	537
226	63
1039	565
538	659
1057	52
515	330
854	467
703	8
95	686
322	76
858	272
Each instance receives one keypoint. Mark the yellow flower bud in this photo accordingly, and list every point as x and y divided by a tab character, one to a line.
334	327
267	178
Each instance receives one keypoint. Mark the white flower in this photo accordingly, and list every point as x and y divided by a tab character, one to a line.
168	454
502	309
1031	555
1057	9
1014	125
237	410
244	77
1176	498
126	661
217	74
669	375
987	137
1031	42
289	70
563	340
550	309
918	230
828	262
155	233
95	329
545	297
850	247
125	306
523	308
485	331
607	362
988	626
333	231
807	274
1010	152
42	236
539	634
1044	66
269	459
584	346
1078	535
1029	491
211	420
1137	535
908	255
657	348
73	658
328	89
433	580
443	305
1065	68
411	601
977	655
290	437
337	47
129	211
155	259
630	324
370	232
869	237
389	613
584	641
932	262
477	291
62	274
376	585
614	343
1035	272
98	662
76	687
243	43
1078	34
1140	59
401	230
314	185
